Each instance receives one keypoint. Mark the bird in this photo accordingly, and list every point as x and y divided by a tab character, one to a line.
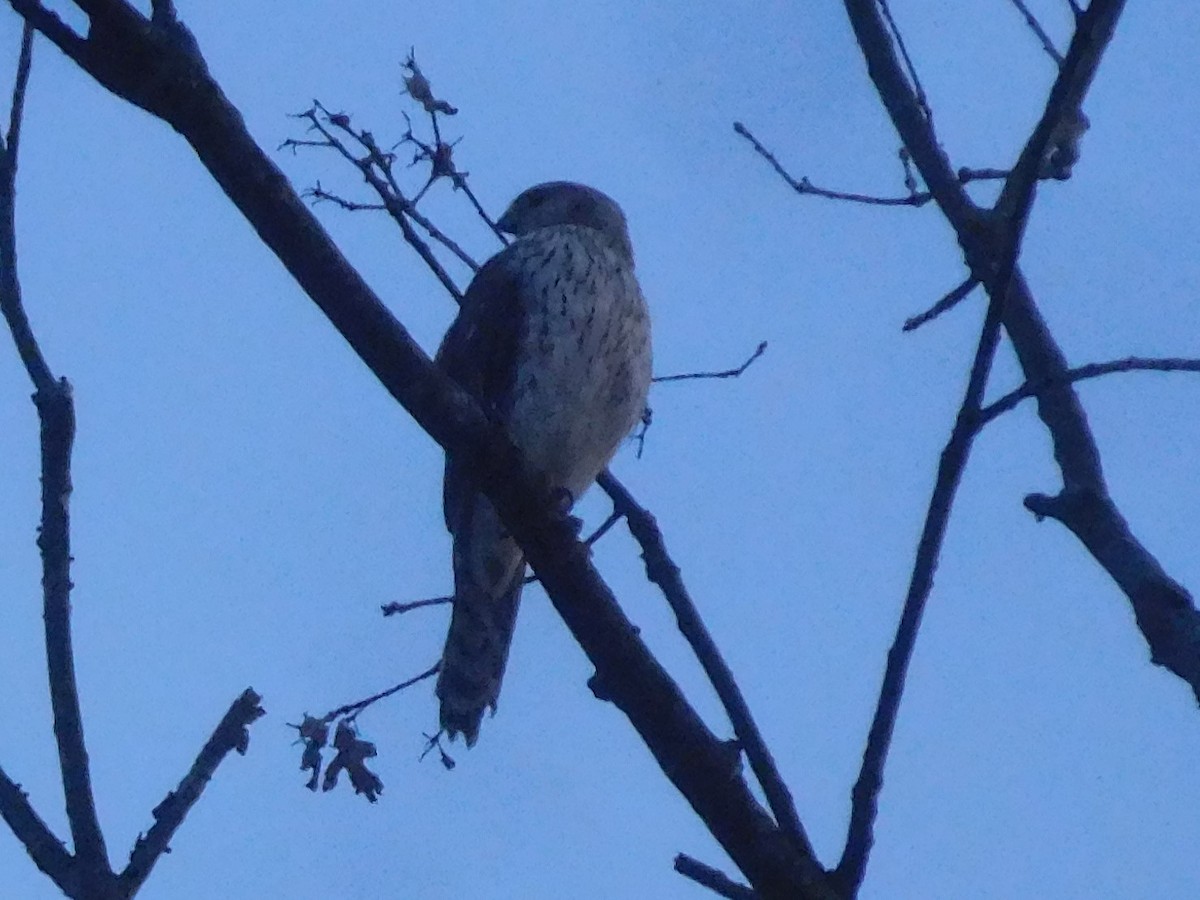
552	340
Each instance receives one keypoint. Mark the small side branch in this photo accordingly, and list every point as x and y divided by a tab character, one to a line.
662	571
232	733
11	304
804	186
396	608
917	88
1036	27
43	845
713	879
352	750
727	373
947	303
376	170
353	709
1081	373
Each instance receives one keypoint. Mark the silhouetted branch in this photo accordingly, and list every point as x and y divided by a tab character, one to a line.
1082	373
232	733
727	373
948	302
87	874
168	77
713	879
11	304
662	571
1036	27
370	166
353	709
918	90
56	416
804	186
991	245
43	845
395	608
56	412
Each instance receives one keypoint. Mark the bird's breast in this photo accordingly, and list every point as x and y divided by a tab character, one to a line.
583	366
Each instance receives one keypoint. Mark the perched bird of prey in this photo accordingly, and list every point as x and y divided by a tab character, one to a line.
553	341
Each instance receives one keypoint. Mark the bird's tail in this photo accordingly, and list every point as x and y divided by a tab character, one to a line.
489	570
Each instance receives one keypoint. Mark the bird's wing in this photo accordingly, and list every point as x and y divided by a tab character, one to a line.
480	352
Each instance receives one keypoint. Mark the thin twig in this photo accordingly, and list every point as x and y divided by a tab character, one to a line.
713	879
914	197
11	304
948	302
727	373
395	608
1082	373
804	186
662	571
321	195
397	206
460	183
613	518
383	162
1036	27
353	709
231	733
922	100
16	111
408	207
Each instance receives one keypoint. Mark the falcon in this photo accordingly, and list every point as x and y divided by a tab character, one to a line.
553	341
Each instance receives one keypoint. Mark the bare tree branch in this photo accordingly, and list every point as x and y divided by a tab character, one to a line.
713	879
726	373
353	709
396	204
991	245
1036	27
917	90
948	302
232	733
662	571
43	845
56	411
11	304
56	415
88	873
1081	373
804	186
160	70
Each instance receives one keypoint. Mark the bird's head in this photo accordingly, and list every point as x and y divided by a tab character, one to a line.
566	203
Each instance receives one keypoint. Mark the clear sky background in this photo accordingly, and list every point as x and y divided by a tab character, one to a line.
247	495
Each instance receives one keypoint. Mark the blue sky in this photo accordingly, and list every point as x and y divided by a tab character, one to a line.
247	495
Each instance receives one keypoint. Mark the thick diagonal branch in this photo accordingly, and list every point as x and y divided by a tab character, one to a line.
162	71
